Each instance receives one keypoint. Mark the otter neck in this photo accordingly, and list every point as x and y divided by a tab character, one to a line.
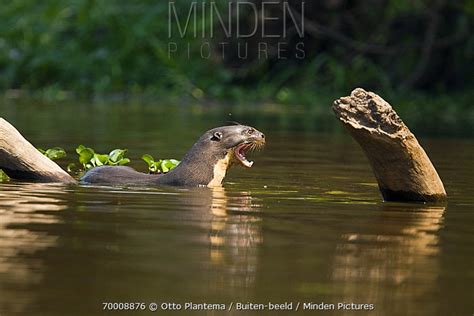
220	170
199	167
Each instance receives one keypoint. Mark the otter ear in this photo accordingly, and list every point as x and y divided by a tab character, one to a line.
217	136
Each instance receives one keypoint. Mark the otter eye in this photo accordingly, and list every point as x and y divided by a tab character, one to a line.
216	136
250	131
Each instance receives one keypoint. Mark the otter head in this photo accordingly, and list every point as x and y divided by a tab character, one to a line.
209	158
234	142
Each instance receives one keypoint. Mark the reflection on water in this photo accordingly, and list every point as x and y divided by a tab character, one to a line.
22	206
304	224
393	256
234	239
228	226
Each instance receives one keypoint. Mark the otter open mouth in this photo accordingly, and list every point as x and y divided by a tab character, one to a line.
241	150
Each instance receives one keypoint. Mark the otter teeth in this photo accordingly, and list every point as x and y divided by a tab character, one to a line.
241	156
247	163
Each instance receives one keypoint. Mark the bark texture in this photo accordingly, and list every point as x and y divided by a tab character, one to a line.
401	166
21	160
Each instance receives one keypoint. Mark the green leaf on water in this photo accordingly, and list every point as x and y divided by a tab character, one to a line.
116	155
71	168
53	153
80	148
100	160
85	155
175	162
90	159
169	164
123	161
160	166
3	176
148	159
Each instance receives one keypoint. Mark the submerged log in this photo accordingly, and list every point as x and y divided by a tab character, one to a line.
401	166
21	160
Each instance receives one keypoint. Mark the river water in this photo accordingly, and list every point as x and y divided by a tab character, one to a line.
304	226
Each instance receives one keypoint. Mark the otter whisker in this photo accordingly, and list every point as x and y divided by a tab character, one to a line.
254	147
257	146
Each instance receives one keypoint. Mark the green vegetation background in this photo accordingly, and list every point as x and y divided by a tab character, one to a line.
61	49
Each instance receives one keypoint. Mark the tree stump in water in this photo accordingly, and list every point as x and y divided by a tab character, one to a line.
402	168
21	160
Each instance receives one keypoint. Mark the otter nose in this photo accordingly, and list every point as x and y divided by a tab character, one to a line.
262	135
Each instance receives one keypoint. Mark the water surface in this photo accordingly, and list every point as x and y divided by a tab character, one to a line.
305	224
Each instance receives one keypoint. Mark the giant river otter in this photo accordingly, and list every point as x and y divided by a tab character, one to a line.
205	164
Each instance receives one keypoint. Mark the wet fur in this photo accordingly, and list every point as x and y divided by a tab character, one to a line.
196	167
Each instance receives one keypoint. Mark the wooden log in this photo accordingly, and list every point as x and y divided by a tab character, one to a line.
401	166
21	160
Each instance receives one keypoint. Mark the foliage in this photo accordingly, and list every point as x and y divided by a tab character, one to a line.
93	47
81	47
90	159
3	176
160	166
54	153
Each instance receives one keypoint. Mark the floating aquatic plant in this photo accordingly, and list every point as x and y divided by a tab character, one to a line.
160	166
90	159
3	176
53	153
